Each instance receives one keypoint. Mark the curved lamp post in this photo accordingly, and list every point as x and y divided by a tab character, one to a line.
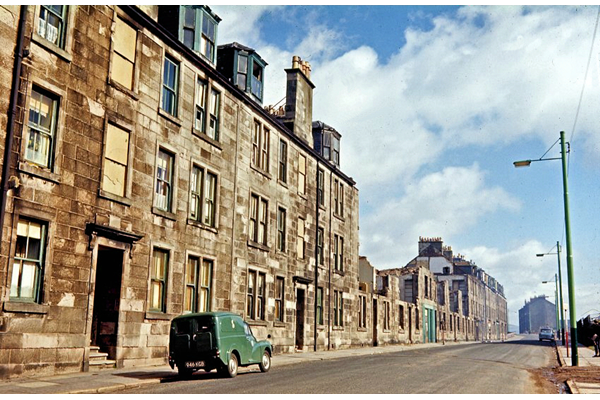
570	277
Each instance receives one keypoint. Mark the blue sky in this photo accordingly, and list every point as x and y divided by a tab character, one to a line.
434	103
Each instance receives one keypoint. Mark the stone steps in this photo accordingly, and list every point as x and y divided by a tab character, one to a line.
100	360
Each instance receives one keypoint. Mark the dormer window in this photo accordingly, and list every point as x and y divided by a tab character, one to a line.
244	68
199	31
327	142
195	26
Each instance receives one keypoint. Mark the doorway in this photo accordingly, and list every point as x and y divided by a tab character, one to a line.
375	343
107	299
300	301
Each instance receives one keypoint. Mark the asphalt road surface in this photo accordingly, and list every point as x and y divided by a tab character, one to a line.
479	368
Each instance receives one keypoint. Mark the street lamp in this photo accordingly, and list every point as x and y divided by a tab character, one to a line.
562	315
570	277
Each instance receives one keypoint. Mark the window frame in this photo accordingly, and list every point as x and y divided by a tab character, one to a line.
338	253
319	318
115	52
321	188
199	34
39	263
170	183
320	246
281	229
62	31
51	133
162	281
283	160
301	174
197	285
279	294
338	309
260	147
256	300
362	311
106	158
203	196
173	111
300	238
258	219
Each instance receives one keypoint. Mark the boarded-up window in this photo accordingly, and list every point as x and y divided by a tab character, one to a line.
300	240
116	153
125	39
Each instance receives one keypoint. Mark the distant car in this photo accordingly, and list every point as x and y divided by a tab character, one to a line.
546	334
215	340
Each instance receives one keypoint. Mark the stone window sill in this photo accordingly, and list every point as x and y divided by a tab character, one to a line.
24	307
39	172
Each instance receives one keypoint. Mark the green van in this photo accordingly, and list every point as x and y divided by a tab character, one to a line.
220	340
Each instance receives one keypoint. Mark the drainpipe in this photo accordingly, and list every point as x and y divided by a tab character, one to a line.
8	142
316	258
329	262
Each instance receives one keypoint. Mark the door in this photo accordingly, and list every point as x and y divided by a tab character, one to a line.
300	301
107	299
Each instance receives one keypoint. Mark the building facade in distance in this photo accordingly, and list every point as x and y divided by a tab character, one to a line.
537	313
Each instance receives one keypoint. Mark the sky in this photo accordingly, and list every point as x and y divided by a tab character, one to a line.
434	104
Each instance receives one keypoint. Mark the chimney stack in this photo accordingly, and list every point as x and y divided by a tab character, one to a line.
299	100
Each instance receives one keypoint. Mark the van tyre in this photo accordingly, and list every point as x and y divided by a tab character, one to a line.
265	362
231	369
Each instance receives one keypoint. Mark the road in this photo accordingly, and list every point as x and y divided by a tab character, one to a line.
479	368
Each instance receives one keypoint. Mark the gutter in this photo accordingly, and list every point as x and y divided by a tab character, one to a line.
9	139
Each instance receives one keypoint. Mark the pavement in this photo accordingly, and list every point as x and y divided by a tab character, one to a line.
114	380
586	360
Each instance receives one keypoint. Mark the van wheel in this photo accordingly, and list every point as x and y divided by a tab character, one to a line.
231	369
265	362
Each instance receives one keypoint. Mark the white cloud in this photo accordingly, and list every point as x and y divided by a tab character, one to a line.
442	204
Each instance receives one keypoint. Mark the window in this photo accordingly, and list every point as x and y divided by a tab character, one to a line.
301	174
124	42
256	82
199	31
170	85
200	119
116	159
210	194
203	194
281	219
242	71
386	315
258	219
198	273
28	265
158	280
338	201
51	24
362	311
338	253
279	298
319	315
338	308
250	74
163	198
401	316
41	135
321	188
260	147
214	104
282	161
300	239
256	295
320	255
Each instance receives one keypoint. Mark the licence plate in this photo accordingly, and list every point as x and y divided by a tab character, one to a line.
194	364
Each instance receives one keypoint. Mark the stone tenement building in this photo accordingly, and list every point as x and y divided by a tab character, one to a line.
143	178
436	297
537	313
